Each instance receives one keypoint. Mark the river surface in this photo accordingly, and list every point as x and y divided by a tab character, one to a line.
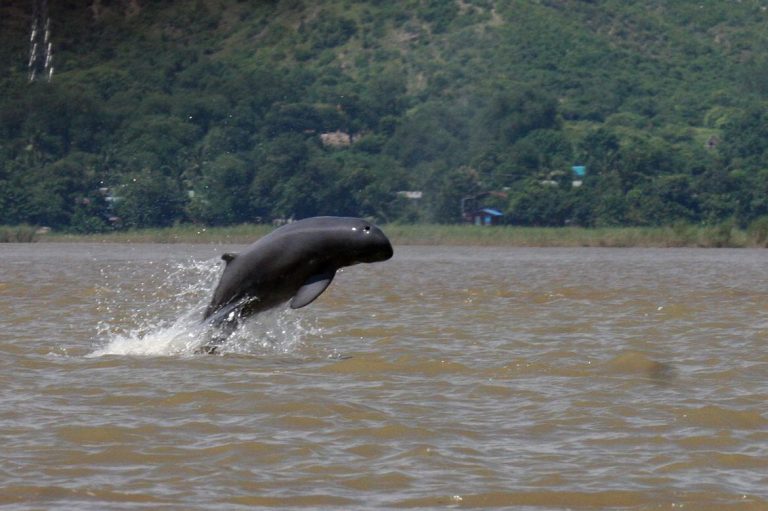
531	379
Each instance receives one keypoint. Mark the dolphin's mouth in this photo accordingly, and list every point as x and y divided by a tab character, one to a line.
381	249
387	253
377	256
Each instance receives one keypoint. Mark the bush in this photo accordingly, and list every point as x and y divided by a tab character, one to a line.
18	234
758	231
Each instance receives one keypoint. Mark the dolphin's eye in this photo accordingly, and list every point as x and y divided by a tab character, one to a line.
367	229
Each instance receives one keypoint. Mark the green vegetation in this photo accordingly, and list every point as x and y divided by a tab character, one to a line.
18	234
222	112
679	235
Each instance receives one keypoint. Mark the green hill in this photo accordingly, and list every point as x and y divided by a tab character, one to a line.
228	111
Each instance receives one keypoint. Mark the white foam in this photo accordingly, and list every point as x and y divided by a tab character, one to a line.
178	339
168	323
279	331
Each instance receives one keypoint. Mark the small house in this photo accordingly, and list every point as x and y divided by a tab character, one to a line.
487	216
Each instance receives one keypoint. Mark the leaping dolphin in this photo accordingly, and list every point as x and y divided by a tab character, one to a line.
294	263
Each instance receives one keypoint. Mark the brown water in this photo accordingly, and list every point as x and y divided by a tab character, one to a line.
531	379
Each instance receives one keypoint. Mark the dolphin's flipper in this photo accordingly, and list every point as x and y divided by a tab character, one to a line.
312	288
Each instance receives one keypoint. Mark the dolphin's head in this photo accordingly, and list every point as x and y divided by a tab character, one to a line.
370	243
354	240
341	241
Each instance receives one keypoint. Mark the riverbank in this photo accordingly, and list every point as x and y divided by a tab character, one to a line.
723	235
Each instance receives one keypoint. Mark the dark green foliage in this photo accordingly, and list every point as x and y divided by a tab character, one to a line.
220	194
446	190
746	135
166	112
433	132
328	30
148	198
511	116
541	205
666	199
438	13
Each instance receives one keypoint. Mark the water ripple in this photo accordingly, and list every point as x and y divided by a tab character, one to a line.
447	377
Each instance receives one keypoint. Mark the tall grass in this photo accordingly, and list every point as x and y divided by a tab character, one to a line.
183	233
673	236
758	232
678	235
18	234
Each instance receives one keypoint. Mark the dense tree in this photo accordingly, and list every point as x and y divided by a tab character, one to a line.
148	198
745	138
160	112
220	196
541	205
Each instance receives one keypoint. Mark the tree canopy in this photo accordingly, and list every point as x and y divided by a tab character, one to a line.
226	112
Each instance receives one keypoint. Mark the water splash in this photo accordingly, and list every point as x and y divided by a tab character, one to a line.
156	310
280	330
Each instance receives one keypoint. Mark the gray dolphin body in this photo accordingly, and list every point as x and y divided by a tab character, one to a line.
294	263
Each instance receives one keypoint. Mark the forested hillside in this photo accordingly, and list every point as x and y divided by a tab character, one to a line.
227	111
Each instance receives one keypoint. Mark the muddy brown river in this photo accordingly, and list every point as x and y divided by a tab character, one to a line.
530	379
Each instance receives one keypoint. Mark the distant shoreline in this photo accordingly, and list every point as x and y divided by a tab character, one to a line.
724	235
